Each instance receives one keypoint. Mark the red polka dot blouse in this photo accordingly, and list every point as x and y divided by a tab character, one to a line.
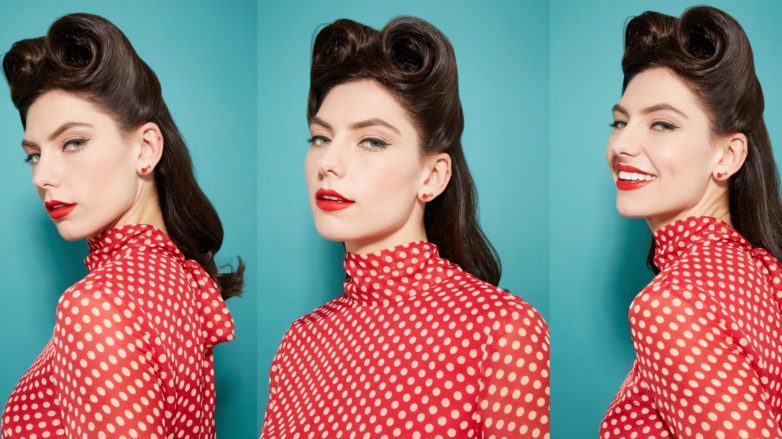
131	352
707	333
415	348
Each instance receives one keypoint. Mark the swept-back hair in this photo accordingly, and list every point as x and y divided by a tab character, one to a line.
88	56
415	62
709	50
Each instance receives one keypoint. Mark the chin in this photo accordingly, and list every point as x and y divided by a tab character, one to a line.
632	210
70	232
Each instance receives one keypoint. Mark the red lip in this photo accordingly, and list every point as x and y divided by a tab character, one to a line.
627	168
335	200
626	185
59	209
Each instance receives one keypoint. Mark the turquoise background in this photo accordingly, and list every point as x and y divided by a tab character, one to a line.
204	55
502	57
597	257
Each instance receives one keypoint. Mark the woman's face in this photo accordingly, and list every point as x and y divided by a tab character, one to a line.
364	169
662	153
83	170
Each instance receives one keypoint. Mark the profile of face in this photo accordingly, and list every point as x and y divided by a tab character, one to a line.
665	159
84	168
367	178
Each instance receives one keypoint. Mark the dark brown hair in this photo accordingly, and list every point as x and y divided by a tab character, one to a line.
709	50
87	55
415	62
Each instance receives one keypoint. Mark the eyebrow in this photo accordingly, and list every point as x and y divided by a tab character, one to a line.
357	125
658	107
63	128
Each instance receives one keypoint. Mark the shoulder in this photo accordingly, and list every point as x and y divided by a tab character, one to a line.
497	310
90	311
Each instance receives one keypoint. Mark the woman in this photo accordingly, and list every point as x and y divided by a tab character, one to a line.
690	153
422	343
131	352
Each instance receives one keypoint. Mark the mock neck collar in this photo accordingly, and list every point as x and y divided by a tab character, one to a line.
115	241
393	274
673	241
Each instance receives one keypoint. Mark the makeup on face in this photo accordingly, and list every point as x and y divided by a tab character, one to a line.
661	151
331	201
364	169
631	178
59	209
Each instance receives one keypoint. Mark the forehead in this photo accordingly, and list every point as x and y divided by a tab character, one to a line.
656	86
363	100
55	108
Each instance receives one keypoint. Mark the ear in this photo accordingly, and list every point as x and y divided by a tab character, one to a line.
733	153
438	175
150	140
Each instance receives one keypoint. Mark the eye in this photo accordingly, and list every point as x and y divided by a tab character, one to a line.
33	158
318	140
663	126
373	144
617	124
72	145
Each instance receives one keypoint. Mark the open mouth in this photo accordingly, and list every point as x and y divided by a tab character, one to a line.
330	200
59	209
630	177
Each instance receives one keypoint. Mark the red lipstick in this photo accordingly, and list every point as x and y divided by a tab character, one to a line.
59	209
329	200
630	178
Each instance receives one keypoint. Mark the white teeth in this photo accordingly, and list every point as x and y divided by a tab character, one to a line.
330	198
634	176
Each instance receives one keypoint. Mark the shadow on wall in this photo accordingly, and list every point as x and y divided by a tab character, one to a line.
628	275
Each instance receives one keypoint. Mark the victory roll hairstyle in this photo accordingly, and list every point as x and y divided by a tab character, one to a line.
415	62
709	50
88	56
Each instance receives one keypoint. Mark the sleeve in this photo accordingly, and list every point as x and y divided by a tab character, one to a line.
515	396
271	423
108	384
700	378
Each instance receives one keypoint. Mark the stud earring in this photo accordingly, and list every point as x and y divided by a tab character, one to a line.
722	173
145	169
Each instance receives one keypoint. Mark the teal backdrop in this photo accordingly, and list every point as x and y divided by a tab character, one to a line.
597	257
204	55
502	56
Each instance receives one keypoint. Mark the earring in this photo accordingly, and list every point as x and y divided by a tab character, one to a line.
145	169
425	197
722	173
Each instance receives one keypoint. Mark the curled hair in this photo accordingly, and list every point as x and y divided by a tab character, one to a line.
88	56
709	50
415	62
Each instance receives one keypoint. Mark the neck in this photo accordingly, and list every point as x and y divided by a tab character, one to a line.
412	230
716	206
145	210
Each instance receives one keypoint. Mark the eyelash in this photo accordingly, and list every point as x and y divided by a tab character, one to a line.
662	126
374	144
76	145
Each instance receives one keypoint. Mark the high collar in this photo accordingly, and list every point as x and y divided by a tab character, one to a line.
120	240
217	325
675	240
393	274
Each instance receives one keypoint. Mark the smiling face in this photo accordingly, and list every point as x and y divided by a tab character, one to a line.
364	169
83	169
662	153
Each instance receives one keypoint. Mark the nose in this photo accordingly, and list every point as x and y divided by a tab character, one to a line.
333	159
625	141
46	173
